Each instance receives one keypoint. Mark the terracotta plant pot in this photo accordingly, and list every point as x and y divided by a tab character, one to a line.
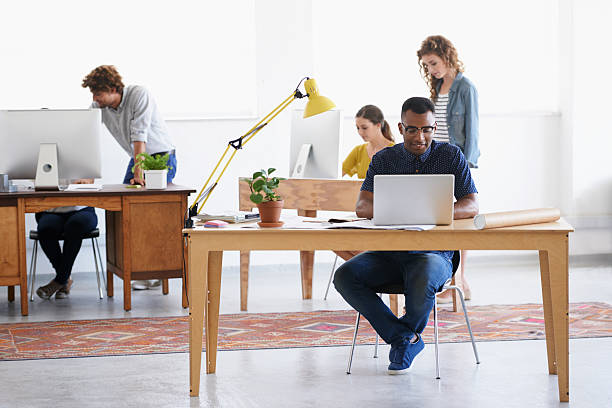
269	212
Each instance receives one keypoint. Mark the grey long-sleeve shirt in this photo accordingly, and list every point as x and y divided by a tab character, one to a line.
137	119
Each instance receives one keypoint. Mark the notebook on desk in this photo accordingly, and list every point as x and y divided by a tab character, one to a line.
413	199
84	187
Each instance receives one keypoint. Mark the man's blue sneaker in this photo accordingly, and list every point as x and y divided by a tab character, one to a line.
402	353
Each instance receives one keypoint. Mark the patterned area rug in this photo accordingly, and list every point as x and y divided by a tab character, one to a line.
108	337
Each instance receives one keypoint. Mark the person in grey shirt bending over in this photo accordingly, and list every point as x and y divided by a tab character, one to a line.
132	117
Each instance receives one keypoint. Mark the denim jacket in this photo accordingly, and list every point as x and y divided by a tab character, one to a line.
462	117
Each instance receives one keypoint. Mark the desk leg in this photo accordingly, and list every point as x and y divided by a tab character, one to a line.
559	279
393	304
110	289
454	296
126	242
548	318
23	277
306	262
215	264
244	279
185	280
127	290
11	293
165	287
198	267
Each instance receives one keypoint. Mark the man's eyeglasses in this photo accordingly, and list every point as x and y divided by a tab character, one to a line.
413	130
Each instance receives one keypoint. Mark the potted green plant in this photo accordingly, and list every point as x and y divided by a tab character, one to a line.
263	193
155	169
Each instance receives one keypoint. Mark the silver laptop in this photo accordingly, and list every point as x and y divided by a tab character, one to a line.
402	199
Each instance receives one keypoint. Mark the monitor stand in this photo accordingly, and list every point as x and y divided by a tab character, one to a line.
300	162
46	170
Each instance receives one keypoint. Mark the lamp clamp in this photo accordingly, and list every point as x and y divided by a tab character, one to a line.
236	143
191	212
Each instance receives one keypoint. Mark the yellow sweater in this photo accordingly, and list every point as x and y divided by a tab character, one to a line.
358	161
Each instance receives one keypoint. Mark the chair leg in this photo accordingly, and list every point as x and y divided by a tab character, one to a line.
467	322
93	247
33	269
101	264
376	344
376	347
331	275
435	311
350	362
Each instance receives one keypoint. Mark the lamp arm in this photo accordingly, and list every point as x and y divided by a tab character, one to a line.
206	190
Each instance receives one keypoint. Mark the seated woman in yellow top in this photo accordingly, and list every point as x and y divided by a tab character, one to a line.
375	131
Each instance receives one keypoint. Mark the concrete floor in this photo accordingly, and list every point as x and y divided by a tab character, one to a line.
511	374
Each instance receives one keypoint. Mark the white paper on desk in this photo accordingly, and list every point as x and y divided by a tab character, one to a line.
368	224
295	222
298	222
84	187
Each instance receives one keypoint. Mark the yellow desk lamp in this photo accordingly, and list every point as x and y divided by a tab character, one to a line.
316	104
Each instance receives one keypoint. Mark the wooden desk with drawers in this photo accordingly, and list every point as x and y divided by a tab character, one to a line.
143	233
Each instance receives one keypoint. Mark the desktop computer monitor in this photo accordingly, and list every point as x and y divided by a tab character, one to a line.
315	145
76	133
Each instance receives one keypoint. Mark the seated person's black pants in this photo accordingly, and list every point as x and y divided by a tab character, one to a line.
73	225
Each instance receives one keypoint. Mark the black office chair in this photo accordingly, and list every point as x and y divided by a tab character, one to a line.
93	235
399	289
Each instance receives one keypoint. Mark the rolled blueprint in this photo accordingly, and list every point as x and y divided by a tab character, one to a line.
511	218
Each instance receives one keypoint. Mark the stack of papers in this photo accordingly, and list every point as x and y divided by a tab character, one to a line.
229	216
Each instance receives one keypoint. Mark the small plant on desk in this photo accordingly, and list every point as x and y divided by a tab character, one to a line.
155	168
263	193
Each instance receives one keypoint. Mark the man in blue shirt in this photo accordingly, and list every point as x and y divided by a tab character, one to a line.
422	273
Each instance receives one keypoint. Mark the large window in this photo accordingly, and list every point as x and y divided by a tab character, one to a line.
365	51
197	57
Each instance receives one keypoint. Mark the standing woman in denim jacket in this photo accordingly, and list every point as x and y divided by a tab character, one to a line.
456	101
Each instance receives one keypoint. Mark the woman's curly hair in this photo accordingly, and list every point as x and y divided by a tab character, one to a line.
104	78
443	48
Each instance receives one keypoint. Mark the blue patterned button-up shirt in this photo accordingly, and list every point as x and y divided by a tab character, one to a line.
440	158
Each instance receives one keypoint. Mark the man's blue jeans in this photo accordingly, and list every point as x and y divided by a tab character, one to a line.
421	273
129	174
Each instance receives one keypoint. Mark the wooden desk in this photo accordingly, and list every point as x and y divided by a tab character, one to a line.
143	233
307	196
206	246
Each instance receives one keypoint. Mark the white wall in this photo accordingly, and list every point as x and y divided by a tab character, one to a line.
530	158
592	136
366	51
204	47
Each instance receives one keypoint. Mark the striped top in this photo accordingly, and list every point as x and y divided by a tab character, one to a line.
441	134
